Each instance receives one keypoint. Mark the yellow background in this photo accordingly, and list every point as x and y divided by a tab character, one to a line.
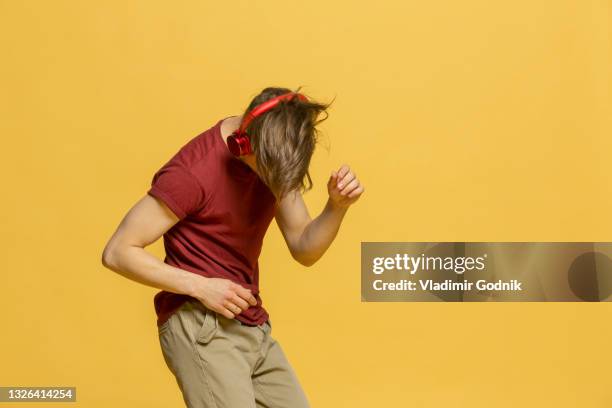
465	120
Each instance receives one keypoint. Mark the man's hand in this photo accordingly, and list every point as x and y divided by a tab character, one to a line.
223	296
343	187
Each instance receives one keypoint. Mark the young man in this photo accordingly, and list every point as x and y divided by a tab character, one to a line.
213	202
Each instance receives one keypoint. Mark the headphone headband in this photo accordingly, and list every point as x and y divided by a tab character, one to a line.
266	106
238	142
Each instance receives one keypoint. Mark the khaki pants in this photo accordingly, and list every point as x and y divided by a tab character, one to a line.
221	363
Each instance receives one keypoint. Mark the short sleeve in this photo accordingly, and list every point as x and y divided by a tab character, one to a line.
174	185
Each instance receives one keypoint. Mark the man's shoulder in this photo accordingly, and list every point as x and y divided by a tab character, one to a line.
200	151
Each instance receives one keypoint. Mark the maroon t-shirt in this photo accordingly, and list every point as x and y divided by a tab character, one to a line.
224	210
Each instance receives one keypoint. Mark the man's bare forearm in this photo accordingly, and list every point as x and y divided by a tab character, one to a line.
137	264
319	233
125	254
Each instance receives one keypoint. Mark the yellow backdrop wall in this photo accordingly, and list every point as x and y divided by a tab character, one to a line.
465	120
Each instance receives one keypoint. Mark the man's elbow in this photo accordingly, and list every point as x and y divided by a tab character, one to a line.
309	262
109	257
304	259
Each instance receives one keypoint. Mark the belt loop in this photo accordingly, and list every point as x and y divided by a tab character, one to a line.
265	328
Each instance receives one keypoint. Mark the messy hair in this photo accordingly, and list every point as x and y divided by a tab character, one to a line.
284	139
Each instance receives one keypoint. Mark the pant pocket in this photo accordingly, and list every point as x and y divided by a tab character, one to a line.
208	326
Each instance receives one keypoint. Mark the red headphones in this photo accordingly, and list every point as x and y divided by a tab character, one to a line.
238	142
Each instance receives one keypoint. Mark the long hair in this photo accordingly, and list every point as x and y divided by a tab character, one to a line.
284	140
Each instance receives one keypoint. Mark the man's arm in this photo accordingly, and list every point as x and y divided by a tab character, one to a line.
308	238
124	253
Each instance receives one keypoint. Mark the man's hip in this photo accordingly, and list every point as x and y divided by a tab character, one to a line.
220	362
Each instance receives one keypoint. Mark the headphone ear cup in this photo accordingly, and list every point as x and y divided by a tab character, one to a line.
239	145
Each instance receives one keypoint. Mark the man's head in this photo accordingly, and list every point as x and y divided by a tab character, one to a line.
284	139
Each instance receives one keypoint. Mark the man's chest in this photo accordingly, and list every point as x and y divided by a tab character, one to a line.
236	207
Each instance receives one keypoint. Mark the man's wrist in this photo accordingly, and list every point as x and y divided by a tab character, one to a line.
336	208
190	283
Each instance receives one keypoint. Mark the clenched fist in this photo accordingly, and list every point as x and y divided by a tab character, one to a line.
343	187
